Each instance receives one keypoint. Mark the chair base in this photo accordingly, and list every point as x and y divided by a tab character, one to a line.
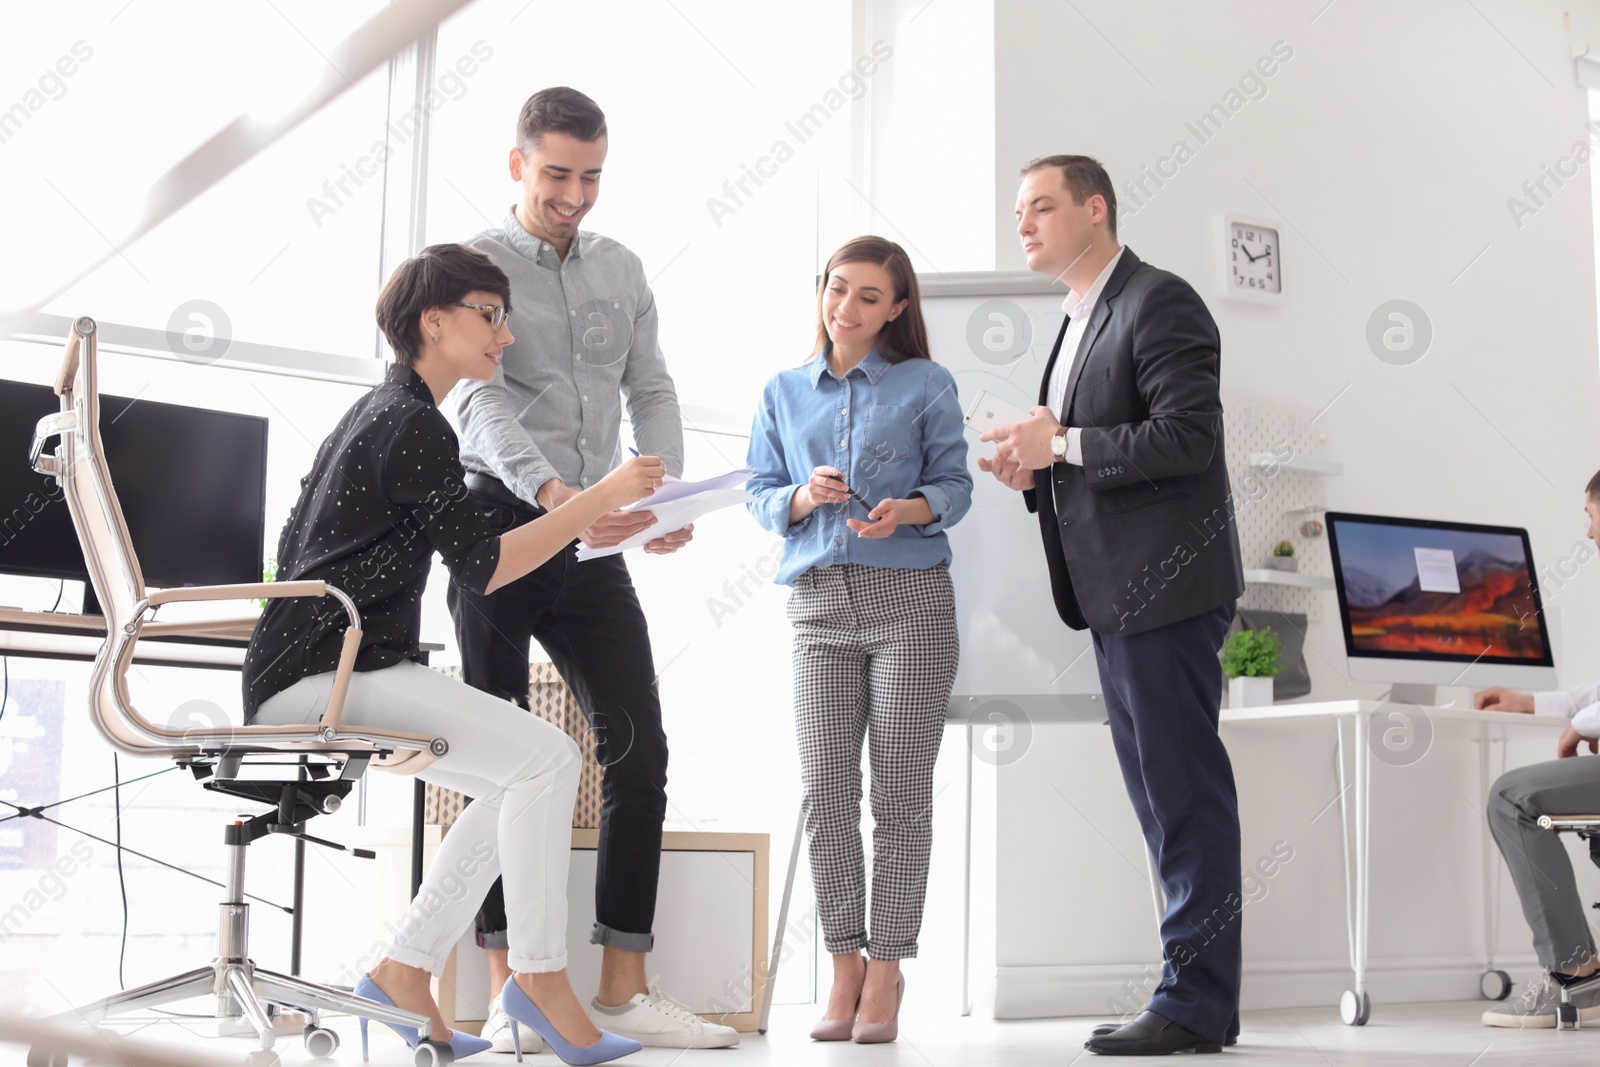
243	990
1567	1012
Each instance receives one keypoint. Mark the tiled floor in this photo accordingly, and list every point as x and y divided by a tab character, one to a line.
1416	1035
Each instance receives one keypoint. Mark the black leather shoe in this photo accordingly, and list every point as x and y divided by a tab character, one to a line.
1149	1035
1111	1028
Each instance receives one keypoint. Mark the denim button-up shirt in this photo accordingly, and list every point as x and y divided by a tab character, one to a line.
894	429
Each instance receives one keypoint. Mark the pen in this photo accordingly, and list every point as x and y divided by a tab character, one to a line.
859	498
635	451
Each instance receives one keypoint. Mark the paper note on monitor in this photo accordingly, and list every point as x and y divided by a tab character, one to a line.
678	503
1436	570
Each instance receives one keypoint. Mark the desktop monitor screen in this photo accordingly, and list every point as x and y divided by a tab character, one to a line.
1442	596
191	482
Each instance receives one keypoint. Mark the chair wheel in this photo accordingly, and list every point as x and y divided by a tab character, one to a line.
1495	985
321	1042
1354	1010
433	1054
438	747
39	1056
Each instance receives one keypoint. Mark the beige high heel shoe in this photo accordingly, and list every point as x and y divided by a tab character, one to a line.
880	1033
836	1029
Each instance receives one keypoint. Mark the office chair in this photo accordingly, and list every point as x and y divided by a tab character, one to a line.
1587	827
333	756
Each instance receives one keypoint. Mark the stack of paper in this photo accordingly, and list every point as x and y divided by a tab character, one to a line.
678	503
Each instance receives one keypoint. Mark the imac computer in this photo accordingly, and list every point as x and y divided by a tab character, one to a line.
191	482
1425	604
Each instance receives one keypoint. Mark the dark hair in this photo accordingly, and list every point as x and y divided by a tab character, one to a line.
1084	177
905	337
559	110
1592	490
437	276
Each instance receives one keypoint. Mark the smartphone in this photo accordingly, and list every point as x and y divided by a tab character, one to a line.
988	412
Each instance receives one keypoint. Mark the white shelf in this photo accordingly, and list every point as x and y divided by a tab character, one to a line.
1267	576
1299	463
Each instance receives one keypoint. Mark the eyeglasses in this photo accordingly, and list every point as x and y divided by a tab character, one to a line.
497	313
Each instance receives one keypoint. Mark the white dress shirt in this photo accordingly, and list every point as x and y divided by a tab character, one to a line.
1581	705
1078	309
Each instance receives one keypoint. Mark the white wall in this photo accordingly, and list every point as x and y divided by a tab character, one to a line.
1387	143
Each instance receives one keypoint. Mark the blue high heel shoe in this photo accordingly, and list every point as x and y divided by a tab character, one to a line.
519	1009
461	1045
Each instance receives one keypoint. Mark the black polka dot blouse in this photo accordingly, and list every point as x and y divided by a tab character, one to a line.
387	491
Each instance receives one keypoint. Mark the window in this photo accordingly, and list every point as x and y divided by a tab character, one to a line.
697	101
254	257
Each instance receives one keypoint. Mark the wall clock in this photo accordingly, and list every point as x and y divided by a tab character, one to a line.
1252	260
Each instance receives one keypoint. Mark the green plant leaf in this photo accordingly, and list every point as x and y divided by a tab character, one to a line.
1252	654
269	573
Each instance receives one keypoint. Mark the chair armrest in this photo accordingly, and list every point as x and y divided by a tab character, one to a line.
264	590
328	726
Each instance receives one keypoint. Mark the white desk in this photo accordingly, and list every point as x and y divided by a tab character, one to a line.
1405	727
60	635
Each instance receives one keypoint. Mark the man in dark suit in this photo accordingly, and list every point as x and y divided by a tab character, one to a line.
1123	462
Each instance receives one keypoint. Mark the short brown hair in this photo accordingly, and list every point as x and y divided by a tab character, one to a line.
437	276
1084	177
905	337
559	110
1592	490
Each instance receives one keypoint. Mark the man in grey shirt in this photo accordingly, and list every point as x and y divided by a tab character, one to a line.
546	427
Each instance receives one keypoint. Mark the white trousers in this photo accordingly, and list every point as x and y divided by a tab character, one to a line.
523	775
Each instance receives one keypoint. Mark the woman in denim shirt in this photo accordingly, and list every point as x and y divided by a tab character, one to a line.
860	465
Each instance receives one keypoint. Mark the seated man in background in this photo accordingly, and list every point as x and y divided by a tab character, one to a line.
1537	859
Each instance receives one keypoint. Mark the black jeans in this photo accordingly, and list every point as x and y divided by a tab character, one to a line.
587	617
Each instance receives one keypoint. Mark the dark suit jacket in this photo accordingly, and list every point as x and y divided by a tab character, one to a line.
1142	534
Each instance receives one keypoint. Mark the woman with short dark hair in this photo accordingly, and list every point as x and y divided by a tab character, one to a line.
385	493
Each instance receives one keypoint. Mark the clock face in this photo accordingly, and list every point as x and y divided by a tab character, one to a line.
1253	259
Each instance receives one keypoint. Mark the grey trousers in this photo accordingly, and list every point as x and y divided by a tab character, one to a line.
875	653
1540	866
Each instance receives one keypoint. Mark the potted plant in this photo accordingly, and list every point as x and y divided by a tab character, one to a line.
1282	558
1250	660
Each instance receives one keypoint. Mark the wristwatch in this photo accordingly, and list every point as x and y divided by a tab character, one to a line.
1058	445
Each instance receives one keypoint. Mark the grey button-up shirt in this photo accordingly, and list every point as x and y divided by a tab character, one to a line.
585	332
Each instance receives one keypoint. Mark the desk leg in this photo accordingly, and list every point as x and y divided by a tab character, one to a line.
1363	761
1494	984
417	809
966	890
1354	1005
297	923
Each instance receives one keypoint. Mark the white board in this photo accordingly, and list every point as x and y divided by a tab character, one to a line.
995	332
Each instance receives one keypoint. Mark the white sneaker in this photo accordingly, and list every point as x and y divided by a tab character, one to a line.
497	1031
657	1021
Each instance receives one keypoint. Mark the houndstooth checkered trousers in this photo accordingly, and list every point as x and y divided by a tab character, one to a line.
875	653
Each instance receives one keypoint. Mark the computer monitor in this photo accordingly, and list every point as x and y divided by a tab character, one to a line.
191	482
1424	603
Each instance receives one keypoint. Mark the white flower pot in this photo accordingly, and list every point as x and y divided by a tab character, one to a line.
1249	692
1283	563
